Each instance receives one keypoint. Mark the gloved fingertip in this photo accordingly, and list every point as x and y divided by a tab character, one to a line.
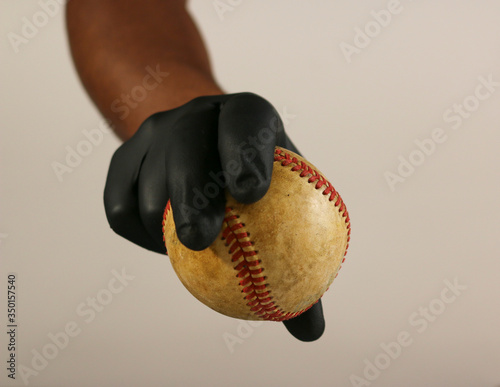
248	188
193	237
309	326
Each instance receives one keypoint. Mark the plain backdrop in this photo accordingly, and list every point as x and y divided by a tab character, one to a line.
358	117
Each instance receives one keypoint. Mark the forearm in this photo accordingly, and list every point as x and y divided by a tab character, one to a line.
123	50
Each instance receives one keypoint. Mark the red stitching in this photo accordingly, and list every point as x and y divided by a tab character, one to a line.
167	209
253	281
286	159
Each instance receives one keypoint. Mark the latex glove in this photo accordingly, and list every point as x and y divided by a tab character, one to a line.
174	154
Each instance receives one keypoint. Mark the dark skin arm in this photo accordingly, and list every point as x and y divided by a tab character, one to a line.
116	45
113	42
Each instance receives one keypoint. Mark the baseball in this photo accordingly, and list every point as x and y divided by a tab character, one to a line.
273	259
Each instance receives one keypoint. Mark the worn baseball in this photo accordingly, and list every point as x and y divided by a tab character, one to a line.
273	259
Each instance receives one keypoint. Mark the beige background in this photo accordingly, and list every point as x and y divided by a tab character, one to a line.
352	120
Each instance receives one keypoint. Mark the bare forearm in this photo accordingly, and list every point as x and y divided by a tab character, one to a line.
123	50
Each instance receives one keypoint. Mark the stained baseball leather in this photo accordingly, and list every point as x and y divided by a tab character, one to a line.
295	238
172	156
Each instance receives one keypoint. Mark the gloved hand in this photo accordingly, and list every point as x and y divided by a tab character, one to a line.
175	154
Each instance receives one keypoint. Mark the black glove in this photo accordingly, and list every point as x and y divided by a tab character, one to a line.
174	155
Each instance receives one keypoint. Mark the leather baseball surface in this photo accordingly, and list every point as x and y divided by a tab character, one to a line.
273	259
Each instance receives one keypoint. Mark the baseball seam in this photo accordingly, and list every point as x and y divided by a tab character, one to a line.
249	270
305	170
165	213
248	267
